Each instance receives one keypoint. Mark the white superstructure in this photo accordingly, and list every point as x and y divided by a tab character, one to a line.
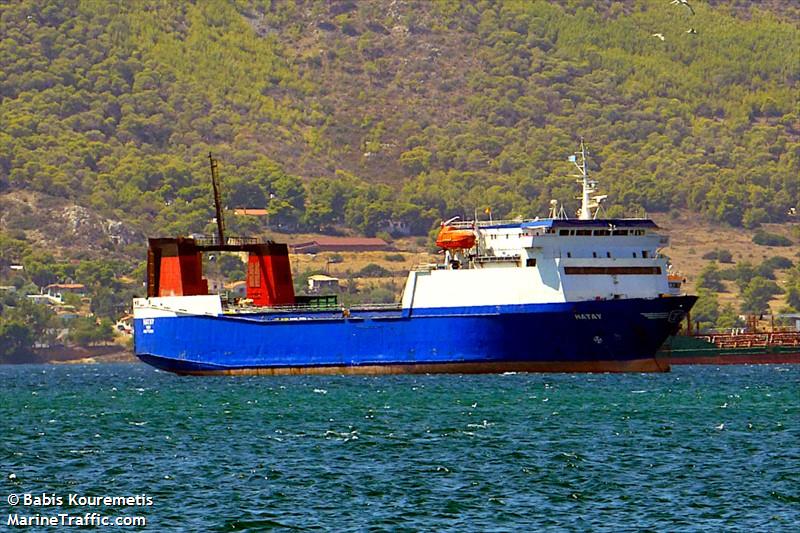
550	260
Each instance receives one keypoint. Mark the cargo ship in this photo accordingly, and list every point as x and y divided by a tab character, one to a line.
556	294
735	348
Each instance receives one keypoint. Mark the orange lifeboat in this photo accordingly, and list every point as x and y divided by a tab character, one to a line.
451	238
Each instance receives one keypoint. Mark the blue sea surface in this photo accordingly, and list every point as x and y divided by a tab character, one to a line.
701	448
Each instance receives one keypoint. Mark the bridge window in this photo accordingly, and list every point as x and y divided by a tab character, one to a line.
621	232
531	262
601	232
583	232
563	232
644	254
614	271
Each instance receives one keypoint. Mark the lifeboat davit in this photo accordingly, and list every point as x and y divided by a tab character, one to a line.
451	238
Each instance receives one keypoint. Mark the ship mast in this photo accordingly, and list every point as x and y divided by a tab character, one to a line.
588	185
217	201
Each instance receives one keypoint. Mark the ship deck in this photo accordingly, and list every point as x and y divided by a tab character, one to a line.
314	313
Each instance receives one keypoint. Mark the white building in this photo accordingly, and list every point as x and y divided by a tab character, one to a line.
320	283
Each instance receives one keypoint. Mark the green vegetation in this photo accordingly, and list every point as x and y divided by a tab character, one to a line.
85	331
770	239
373	270
351	115
710	278
757	294
706	311
777	262
22	323
723	256
793	289
756	287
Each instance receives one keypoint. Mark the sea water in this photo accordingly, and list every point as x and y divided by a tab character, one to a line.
700	448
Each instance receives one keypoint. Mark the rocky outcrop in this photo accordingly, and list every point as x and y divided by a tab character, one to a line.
53	223
83	225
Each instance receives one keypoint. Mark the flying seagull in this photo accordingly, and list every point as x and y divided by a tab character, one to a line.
683	3
692	31
659	35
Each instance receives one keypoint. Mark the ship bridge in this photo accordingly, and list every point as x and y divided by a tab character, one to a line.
552	259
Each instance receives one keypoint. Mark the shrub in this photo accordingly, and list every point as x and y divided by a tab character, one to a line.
381	295
724	256
373	271
777	262
765	238
394	258
385	235
765	271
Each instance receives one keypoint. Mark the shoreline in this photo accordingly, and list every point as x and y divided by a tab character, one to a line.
73	355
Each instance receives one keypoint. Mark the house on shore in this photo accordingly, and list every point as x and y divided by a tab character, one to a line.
58	290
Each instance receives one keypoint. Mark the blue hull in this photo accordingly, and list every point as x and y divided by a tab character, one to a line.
607	335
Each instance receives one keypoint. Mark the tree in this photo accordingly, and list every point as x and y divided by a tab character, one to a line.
22	323
85	331
728	318
793	289
16	340
416	160
231	267
742	273
757	294
709	278
706	310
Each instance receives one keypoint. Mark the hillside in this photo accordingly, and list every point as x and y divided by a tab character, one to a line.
350	113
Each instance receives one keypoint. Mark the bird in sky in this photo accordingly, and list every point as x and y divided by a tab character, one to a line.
683	3
659	35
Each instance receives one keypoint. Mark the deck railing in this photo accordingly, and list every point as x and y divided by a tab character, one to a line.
288	309
753	340
229	241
